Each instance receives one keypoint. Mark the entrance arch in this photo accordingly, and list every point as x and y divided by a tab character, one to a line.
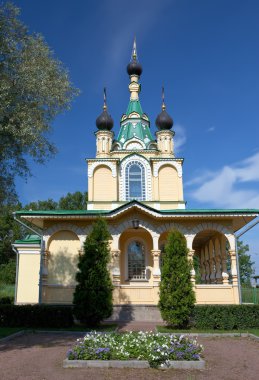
136	261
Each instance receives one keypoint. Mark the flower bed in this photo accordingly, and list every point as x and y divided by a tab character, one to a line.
158	350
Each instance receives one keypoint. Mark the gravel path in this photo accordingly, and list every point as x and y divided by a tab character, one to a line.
40	356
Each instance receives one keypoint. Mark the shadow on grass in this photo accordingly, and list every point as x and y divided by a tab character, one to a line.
48	337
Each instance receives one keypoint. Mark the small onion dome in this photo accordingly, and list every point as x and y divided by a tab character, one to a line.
134	68
104	121
164	121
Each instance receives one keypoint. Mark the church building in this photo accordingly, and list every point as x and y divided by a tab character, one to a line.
135	182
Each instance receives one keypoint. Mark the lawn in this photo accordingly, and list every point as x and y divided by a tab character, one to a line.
5	331
165	329
106	328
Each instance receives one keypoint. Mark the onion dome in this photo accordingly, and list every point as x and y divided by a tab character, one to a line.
163	120
134	67
104	121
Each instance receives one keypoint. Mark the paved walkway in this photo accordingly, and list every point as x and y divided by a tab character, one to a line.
137	326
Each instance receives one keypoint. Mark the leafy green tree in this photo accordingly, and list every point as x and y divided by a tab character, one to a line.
93	293
176	293
49	204
8	272
34	88
9	231
246	269
74	201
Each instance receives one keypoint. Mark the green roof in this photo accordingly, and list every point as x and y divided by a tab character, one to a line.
134	106
135	202
29	239
135	128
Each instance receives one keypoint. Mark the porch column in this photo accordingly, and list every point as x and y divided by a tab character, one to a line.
156	266
116	273
45	272
218	262
156	260
202	266
207	265
190	258
233	259
212	263
225	276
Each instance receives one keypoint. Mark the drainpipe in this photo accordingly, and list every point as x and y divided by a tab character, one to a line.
237	236
41	255
16	273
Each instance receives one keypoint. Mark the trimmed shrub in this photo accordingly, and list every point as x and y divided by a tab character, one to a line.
177	297
93	293
225	317
35	316
6	300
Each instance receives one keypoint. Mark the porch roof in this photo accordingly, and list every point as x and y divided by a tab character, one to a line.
240	217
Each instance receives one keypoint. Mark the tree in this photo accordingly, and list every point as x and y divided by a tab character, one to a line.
74	201
176	294
93	293
246	269
9	231
34	88
49	204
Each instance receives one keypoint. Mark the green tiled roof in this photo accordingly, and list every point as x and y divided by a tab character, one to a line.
134	106
29	239
135	127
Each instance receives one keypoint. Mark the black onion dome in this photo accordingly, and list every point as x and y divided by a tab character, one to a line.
104	121
164	121
134	68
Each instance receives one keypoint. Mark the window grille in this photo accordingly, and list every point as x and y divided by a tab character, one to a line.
136	261
135	181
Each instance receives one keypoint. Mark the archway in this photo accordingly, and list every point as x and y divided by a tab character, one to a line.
136	261
211	259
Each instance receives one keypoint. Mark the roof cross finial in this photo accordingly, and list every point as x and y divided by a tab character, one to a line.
134	55
163	99
104	99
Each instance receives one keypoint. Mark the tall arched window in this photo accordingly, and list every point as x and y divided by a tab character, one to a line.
135	181
136	261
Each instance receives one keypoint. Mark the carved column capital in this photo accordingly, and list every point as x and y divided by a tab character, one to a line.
156	252
115	253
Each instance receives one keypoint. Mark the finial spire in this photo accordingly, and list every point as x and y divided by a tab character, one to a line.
104	99
134	50
163	99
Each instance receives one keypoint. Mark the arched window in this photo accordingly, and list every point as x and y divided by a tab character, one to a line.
135	181
136	261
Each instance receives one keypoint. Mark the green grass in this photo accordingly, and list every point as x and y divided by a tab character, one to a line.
5	331
166	329
104	327
6	290
254	331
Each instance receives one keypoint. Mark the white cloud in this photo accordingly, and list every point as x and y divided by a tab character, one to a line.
223	188
180	137
211	129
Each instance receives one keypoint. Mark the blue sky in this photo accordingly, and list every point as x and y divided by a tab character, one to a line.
205	53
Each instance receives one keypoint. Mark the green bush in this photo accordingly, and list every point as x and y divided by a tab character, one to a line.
6	301
93	293
35	316
7	272
225	317
177	297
